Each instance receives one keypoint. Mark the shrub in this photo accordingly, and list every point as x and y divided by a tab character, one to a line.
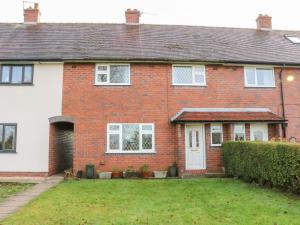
267	163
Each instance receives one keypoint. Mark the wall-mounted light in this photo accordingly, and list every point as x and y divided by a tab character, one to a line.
290	78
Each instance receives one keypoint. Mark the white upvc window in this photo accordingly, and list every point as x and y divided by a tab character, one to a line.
130	138
259	77
112	74
189	75
239	132
216	133
259	132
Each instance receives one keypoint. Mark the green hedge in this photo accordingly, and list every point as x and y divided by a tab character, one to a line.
267	163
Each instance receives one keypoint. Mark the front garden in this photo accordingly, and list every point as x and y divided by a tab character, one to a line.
175	201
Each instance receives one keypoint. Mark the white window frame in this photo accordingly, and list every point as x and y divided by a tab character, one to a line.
211	132
141	132
234	131
255	76
108	74
193	75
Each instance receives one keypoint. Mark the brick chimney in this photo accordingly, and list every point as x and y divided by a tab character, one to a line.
132	16
32	15
264	22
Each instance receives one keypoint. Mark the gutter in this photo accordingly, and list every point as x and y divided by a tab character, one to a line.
282	101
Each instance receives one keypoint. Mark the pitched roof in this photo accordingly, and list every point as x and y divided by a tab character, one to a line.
227	115
84	41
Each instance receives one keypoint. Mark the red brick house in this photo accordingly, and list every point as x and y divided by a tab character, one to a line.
134	94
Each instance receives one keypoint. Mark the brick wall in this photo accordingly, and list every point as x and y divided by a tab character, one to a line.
60	147
151	98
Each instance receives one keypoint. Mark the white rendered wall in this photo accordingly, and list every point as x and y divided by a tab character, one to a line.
30	107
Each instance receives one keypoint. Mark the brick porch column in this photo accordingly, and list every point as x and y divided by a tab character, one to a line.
181	148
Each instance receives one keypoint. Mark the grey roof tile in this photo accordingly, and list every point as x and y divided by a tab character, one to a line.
92	41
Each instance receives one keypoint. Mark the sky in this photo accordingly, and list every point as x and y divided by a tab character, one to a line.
224	13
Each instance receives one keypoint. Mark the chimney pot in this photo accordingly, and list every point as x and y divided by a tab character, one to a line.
264	22
32	15
132	16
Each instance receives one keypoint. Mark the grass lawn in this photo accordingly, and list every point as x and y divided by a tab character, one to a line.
9	189
189	201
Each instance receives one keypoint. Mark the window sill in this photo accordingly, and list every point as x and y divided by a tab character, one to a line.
215	146
8	84
129	153
190	85
7	151
112	84
260	86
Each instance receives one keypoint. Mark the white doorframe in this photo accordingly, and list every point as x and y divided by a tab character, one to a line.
202	153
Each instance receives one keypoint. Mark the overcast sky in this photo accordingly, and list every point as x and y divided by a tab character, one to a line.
228	13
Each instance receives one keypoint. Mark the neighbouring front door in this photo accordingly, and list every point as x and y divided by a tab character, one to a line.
195	148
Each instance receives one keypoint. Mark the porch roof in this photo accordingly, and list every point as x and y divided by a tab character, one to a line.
227	115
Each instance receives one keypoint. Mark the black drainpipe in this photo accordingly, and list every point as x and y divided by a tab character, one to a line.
282	101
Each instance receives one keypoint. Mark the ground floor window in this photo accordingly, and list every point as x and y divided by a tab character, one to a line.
239	133
8	137
216	134
130	138
259	132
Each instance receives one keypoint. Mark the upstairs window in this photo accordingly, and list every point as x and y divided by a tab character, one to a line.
189	75
216	134
8	137
239	132
259	77
130	138
112	74
16	74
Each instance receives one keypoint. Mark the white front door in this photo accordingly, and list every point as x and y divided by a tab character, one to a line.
195	148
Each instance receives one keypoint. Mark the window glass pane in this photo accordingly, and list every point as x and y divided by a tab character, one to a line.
239	128
258	135
119	74
239	137
197	138
216	128
102	68
147	127
114	127
130	137
182	75
265	77
216	138
250	76
1	136
5	74
17	74
191	138
9	137
101	78
114	141
199	79
147	141
28	74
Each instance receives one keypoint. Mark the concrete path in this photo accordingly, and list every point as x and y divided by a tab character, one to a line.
13	203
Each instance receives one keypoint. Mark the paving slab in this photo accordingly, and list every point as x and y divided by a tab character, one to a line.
13	203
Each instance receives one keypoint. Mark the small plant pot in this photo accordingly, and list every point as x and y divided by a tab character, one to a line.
160	174
79	174
173	171
116	175
105	175
146	175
